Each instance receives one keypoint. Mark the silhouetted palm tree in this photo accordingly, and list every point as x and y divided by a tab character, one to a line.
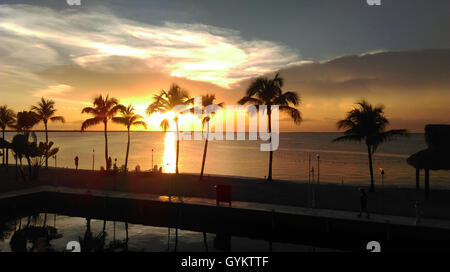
89	243
25	121
208	108
45	110
367	123
129	119
268	92
104	109
20	144
167	102
7	119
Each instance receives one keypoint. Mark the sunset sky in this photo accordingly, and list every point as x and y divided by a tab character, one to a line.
331	52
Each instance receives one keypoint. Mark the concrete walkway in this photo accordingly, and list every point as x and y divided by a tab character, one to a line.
324	213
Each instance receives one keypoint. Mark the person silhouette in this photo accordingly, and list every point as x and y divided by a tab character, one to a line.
76	163
363	202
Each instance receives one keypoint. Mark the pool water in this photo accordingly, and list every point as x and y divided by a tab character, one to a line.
140	238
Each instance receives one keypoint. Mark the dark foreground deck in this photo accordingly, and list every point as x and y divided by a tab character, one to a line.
274	223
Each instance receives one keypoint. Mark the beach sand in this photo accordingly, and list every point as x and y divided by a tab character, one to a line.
390	200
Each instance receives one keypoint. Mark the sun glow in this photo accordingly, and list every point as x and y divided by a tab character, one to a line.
169	158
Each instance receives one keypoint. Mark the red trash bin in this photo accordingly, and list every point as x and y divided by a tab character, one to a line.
223	194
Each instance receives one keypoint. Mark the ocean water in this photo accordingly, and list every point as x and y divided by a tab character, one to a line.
339	162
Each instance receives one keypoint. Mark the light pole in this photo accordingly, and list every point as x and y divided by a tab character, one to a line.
152	158
382	188
318	169
313	204
309	179
93	159
318	177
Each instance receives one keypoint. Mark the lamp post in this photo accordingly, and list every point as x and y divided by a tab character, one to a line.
313	202
152	158
318	177
318	169
382	186
309	180
93	159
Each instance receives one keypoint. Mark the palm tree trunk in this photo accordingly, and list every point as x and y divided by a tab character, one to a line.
30	170
7	159
3	149
372	185
22	173
269	114
178	148
46	141
204	151
126	235
17	169
128	150
105	122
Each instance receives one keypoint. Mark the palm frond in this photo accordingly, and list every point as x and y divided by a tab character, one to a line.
165	124
90	110
7	117
294	113
287	98
121	120
205	121
91	122
348	138
250	100
115	109
386	136
345	124
140	123
58	119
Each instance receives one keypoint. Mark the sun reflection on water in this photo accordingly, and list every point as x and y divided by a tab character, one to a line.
169	152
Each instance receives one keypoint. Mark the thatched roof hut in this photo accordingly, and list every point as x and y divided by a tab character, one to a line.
436	156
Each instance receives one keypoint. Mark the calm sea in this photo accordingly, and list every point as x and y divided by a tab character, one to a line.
339	162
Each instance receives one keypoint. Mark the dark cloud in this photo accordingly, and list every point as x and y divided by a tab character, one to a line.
405	72
85	83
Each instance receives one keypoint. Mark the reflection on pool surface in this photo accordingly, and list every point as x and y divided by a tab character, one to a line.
51	232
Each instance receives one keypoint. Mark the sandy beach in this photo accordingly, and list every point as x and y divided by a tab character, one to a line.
390	200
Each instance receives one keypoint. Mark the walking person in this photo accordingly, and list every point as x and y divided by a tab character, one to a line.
76	163
363	202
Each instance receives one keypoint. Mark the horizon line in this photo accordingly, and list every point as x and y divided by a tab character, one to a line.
97	131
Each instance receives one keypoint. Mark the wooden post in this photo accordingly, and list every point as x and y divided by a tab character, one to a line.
417	179
427	183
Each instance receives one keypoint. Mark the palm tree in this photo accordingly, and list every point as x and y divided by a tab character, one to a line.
168	102
207	101
367	123
25	121
268	92
45	110
7	119
129	119
104	108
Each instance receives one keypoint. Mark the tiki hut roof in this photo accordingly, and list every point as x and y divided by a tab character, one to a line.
437	155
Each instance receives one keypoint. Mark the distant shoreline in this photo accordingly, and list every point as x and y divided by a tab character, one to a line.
101	131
